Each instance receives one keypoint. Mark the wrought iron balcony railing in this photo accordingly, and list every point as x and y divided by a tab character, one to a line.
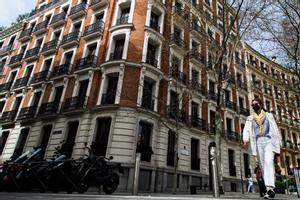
39	77
74	103
32	52
5	86
26	113
122	20
58	18
21	82
148	103
94	28
76	9
61	70
8	116
175	113
176	39
151	61
87	62
73	36
15	59
108	98
50	45
40	26
198	123
48	108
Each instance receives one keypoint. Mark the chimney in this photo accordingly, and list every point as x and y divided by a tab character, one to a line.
274	58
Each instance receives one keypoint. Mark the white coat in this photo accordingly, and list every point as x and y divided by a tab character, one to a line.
248	134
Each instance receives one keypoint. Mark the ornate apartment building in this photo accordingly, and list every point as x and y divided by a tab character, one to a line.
114	73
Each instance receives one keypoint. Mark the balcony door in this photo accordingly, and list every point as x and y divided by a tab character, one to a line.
111	89
119	47
58	94
83	86
67	147
17	104
68	57
102	134
21	142
147	99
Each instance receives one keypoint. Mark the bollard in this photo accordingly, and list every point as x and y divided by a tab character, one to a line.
215	172
136	174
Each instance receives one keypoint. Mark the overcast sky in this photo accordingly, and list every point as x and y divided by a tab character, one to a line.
10	9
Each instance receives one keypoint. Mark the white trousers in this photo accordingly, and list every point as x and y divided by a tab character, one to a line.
266	159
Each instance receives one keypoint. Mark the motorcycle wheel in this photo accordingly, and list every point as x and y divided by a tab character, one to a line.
111	184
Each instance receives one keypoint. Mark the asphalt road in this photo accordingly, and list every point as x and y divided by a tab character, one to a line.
63	196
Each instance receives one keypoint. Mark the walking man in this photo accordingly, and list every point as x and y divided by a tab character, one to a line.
262	132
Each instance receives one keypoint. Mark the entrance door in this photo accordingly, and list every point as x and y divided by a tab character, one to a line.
67	147
21	143
100	143
46	131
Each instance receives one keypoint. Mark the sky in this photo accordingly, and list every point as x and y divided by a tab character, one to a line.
10	9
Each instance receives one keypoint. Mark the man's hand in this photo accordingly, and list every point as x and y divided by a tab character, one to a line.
246	145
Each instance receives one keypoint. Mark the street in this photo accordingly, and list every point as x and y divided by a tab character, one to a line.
64	196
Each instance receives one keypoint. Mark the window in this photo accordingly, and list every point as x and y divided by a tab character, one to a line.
171	148
147	99
241	102
3	139
231	162
195	160
124	16
143	141
268	105
2	103
109	94
47	64
207	2
102	134
118	47
2	64
154	21
195	76
152	54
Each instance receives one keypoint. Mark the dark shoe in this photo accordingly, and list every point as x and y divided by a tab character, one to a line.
271	193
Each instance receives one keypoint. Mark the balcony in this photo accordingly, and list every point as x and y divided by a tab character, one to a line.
20	83
148	103
116	55
48	109
39	77
97	4
178	75
229	104
195	85
27	113
240	62
122	20
244	111
86	63
151	61
93	31
108	98
25	35
71	39
232	136
8	117
196	56
61	70
32	54
40	28
176	114
175	39
74	104
50	47
16	60
198	123
5	50
58	20
78	11
212	95
5	87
